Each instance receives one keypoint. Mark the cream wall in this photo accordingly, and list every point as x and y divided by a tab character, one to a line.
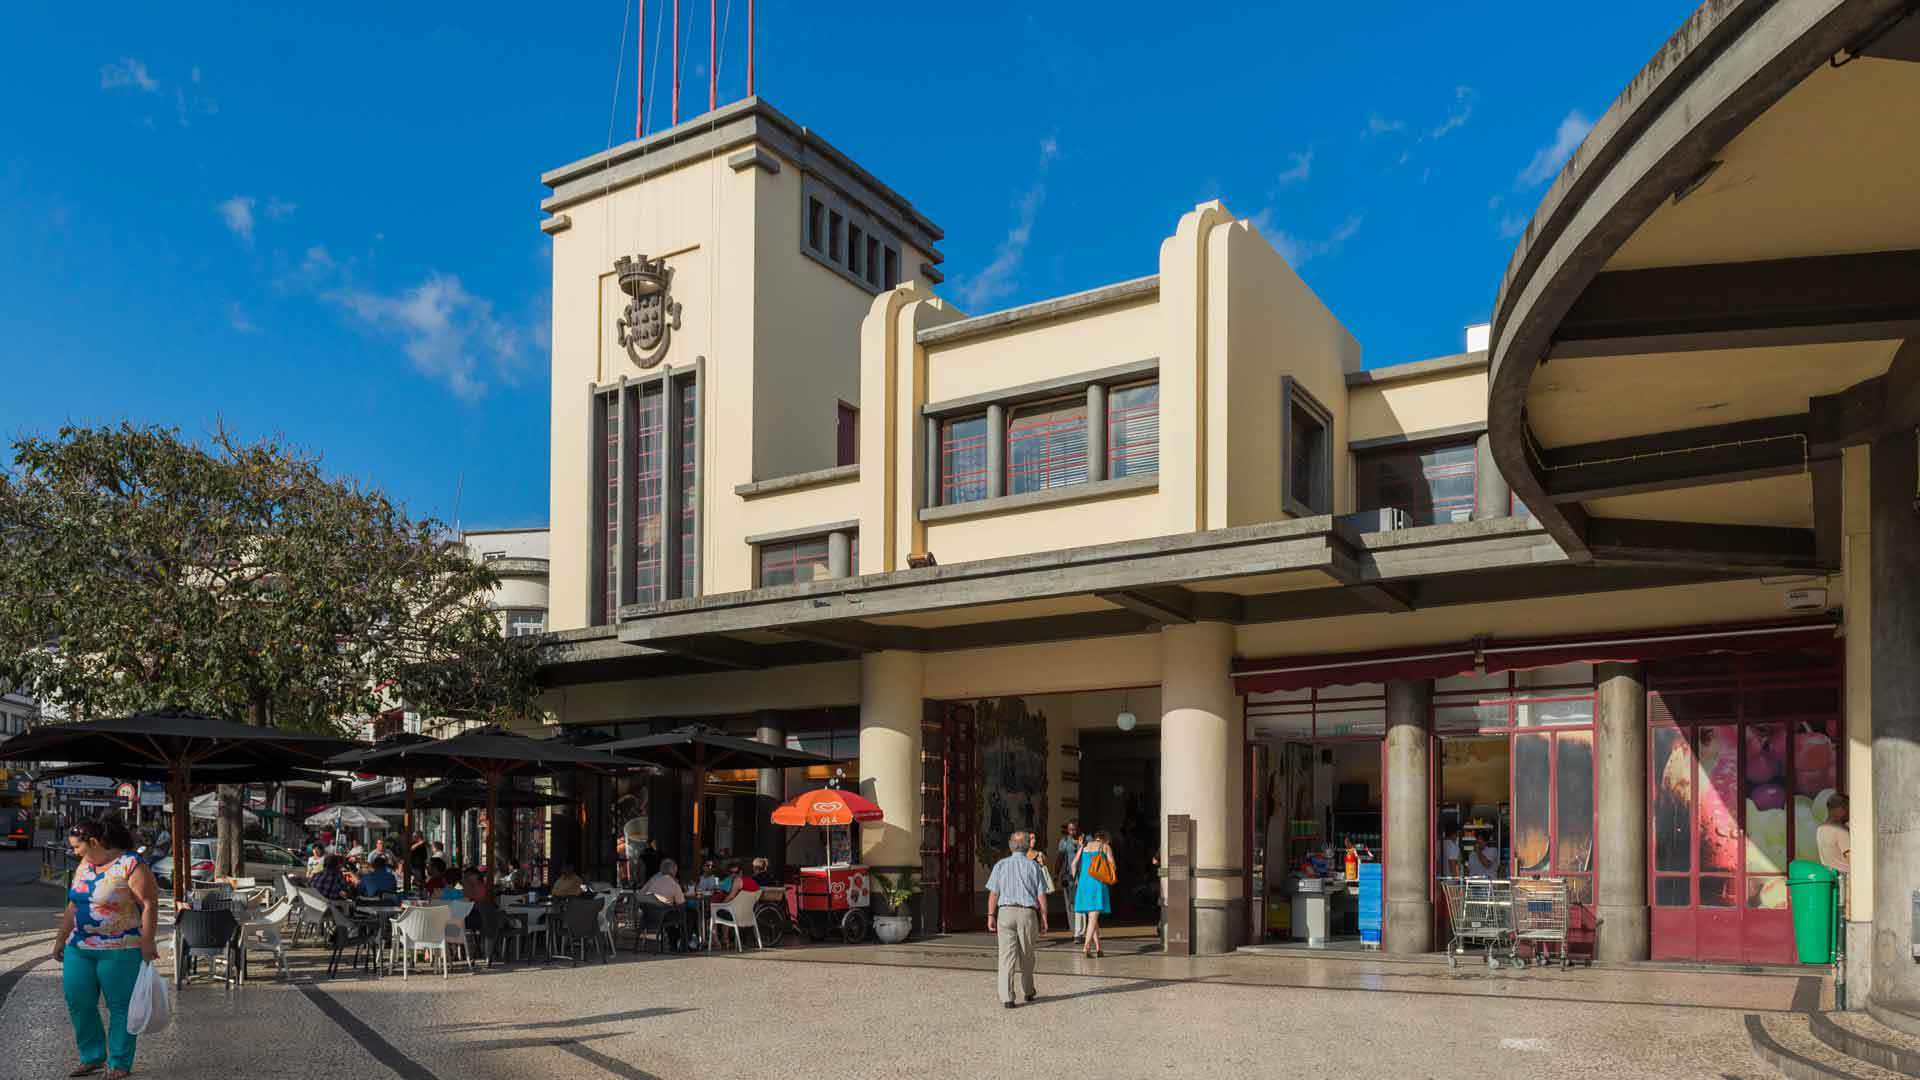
1410	406
801	686
1268	324
1029	352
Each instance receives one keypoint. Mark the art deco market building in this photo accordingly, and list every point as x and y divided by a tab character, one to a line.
1631	583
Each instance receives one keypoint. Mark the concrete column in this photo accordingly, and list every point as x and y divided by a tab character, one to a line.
996	451
1096	432
1895	557
1202	739
1857	610
1407	921
1620	788
839	554
1492	496
890	696
770	785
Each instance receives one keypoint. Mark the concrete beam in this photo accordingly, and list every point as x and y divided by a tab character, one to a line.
859	637
1668	460
1752	549
1829	532
1874	296
1170	604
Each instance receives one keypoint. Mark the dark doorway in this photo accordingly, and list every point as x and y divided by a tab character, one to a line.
1120	793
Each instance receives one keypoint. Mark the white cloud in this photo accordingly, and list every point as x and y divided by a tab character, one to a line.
1549	158
1380	125
237	213
195	74
279	209
997	278
1512	225
128	73
1462	112
187	106
1299	252
448	333
1301	168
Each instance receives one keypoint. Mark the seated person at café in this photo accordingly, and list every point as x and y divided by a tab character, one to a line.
316	859
331	882
437	876
709	878
737	881
664	887
475	887
514	880
379	879
763	871
568	883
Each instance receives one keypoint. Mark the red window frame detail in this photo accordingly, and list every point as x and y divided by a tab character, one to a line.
649	449
958	484
1047	445
689	410
780	563
610	556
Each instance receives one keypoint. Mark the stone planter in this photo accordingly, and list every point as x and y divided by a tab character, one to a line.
892	929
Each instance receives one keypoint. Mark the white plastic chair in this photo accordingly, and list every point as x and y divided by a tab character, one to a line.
606	919
264	933
737	915
312	911
423	929
457	912
600	886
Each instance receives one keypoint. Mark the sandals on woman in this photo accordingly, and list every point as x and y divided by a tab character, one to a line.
118	1074
87	1069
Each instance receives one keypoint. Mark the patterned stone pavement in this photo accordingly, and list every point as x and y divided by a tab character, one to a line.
923	1009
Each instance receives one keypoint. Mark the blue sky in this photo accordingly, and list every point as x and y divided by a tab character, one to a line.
320	222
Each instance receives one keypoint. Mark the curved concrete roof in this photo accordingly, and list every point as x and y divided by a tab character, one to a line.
1723	68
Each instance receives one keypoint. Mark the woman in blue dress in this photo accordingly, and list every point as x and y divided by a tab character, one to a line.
1092	897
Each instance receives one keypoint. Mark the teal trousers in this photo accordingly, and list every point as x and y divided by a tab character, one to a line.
85	975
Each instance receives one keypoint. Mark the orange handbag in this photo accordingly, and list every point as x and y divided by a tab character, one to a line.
1100	868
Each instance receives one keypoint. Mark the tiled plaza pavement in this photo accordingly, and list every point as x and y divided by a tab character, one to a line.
923	1009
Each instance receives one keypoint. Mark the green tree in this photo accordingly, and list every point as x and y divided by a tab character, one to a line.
138	569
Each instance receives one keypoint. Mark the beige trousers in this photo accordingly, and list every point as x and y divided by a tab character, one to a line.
1019	930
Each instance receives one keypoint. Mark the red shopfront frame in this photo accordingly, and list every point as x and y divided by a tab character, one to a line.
1741	751
1547	717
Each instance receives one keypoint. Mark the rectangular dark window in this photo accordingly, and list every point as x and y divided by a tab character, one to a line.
816	224
1306	452
1432	483
847	435
793	561
1047	445
610	507
856	243
650	496
891	277
688	407
1133	430
834	222
963	459
873	262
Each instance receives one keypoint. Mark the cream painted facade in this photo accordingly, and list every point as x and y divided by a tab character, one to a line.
1088	594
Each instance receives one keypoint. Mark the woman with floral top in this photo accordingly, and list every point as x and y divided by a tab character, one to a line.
109	928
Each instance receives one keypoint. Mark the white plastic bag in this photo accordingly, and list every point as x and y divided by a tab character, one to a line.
151	1009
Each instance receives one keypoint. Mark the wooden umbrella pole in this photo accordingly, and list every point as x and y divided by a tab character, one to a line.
406	840
699	795
492	851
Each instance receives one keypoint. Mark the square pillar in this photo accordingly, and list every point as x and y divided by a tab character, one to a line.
1202	743
1407	920
1620	788
1895	680
890	708
770	787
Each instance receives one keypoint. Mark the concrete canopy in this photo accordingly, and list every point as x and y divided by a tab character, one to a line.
1733	249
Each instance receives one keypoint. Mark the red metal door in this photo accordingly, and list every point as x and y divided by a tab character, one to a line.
1744	756
959	821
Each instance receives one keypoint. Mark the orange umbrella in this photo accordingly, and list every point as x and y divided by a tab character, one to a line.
826	806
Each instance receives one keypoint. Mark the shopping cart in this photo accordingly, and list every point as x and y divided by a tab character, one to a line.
1482	913
1540	918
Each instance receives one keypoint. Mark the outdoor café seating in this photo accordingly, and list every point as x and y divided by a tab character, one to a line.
264	933
736	915
207	935
422	929
665	922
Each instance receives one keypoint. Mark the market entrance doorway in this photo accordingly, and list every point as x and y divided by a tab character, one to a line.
1120	795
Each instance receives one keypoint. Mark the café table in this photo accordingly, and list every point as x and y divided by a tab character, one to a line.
533	918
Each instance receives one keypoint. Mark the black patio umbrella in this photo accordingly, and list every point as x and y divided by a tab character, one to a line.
351	761
461	794
486	754
700	749
191	747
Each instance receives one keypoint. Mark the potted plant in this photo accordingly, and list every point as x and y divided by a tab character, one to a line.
895	894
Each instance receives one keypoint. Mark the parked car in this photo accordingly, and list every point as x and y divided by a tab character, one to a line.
263	862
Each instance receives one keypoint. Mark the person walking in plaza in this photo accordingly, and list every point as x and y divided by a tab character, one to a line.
1017	913
110	927
1092	896
1067	873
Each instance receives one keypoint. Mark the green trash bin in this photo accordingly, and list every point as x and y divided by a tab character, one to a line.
1813	892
